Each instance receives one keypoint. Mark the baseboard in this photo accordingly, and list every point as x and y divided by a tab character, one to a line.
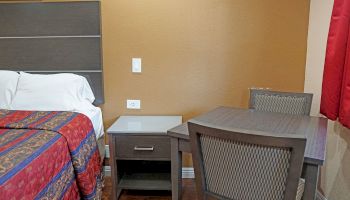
107	151
319	196
187	172
107	170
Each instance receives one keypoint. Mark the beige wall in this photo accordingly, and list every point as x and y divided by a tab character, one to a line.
334	180
198	54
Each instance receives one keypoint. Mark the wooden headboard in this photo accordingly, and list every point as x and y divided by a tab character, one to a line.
53	37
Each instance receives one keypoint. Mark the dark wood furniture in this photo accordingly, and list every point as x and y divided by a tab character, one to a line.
246	121
281	102
230	164
140	153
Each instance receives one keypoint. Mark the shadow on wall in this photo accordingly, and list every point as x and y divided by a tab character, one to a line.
334	181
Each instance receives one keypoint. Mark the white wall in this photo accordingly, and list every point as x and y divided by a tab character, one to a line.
334	179
319	19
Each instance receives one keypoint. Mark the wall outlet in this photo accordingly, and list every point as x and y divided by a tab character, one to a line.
133	104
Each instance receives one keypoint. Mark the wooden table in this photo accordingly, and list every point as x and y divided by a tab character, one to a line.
314	128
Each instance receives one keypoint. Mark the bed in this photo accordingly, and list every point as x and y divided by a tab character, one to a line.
48	155
51	83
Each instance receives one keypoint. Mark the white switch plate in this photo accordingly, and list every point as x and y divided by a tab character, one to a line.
133	104
136	65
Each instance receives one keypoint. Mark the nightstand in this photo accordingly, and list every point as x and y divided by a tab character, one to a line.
140	156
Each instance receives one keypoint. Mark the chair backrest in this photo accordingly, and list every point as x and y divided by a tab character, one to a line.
281	102
234	165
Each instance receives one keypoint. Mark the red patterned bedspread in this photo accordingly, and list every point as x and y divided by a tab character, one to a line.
48	155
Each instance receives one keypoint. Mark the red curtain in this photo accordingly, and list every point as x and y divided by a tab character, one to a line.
335	99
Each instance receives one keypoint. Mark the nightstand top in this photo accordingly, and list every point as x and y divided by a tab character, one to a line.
144	124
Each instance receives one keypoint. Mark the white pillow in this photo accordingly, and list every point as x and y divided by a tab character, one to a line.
8	84
54	92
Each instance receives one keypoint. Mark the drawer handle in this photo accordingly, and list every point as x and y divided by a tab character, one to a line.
136	148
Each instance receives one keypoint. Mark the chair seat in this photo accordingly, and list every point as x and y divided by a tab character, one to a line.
300	190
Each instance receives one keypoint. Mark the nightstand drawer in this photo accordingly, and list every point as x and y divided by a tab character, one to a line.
143	147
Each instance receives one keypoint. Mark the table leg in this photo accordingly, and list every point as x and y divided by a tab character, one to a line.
310	173
176	170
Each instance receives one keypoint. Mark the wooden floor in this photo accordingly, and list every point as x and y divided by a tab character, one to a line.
189	192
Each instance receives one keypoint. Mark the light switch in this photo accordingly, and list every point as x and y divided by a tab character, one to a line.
136	65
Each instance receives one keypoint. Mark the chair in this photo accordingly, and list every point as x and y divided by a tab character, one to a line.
240	166
281	102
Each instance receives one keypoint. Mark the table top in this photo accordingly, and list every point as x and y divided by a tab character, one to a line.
144	124
266	123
